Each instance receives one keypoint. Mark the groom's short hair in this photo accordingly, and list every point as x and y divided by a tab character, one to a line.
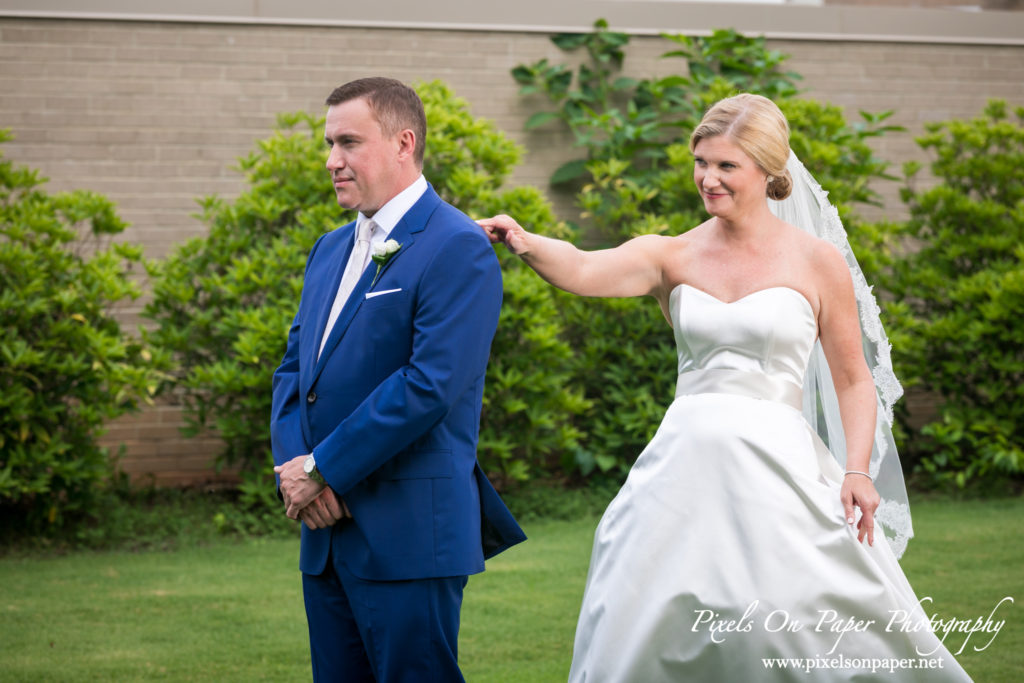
395	105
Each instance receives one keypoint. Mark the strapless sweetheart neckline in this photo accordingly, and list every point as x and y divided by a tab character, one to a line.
745	296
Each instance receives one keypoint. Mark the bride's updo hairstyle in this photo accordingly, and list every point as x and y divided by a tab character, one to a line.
758	127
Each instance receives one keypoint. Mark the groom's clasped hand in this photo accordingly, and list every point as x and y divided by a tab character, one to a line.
304	499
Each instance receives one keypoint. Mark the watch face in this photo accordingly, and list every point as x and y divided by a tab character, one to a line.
308	465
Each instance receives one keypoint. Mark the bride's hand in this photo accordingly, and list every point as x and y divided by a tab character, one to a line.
859	491
504	229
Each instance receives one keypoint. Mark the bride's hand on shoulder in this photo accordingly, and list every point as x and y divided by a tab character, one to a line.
634	268
859	491
504	229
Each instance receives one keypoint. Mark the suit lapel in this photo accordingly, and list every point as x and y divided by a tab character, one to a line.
338	260
414	221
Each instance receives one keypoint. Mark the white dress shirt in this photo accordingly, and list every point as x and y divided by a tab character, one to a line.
386	218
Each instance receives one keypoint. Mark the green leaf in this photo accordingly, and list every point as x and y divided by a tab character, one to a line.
540	118
569	172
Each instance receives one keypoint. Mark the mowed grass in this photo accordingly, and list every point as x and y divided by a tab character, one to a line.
232	611
968	556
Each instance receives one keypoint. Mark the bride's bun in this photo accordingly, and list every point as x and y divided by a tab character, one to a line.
759	128
780	186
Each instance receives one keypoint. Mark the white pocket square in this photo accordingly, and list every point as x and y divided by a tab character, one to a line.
370	295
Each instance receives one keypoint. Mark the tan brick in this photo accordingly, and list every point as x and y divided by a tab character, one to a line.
22	70
47	33
92	53
33	52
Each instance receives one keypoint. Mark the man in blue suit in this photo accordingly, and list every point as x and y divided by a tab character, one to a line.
377	405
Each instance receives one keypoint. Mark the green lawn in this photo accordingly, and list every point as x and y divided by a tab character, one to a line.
233	611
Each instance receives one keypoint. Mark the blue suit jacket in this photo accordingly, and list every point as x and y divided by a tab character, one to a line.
391	409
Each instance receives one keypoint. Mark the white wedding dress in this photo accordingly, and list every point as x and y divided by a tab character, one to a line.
732	514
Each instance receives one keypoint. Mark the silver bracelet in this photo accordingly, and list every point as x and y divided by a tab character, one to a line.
859	472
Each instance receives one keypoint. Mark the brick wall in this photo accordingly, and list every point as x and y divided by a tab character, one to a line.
1003	5
155	452
155	114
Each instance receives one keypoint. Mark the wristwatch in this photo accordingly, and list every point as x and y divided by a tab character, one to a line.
309	467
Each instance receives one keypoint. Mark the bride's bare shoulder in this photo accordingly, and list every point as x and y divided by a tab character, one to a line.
828	264
699	230
693	236
659	245
669	253
820	261
812	246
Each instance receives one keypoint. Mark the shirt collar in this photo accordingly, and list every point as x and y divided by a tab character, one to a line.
387	216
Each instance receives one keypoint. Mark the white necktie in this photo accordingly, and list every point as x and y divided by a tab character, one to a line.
357	261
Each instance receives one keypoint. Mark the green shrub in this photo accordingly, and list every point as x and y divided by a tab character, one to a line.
223	303
533	413
65	365
959	298
637	178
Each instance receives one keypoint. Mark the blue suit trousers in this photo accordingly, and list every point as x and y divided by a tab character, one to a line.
364	631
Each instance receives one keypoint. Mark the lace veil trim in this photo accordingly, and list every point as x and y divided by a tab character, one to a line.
808	208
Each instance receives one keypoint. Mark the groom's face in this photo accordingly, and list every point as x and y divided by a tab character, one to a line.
365	165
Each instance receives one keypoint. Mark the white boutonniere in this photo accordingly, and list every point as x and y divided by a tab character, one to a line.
382	253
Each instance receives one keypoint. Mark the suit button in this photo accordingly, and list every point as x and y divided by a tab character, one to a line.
311	397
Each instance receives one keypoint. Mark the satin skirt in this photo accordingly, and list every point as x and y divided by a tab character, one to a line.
727	546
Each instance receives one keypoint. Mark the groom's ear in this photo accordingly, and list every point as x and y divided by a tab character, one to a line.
407	145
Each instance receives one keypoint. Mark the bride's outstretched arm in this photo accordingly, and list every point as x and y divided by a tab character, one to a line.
631	269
